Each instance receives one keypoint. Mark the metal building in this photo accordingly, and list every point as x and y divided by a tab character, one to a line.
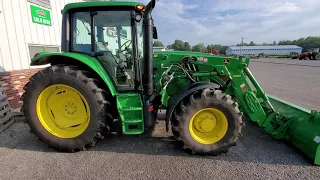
26	27
267	50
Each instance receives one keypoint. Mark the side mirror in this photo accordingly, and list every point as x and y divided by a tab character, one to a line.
155	33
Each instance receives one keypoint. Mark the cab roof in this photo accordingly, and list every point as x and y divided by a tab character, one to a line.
76	5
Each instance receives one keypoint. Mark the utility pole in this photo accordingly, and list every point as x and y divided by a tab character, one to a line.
241	45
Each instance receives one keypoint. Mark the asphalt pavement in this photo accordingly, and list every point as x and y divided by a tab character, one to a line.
290	79
156	155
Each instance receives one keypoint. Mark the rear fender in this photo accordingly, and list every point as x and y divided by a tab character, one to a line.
75	58
185	92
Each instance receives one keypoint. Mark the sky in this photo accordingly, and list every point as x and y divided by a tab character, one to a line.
227	21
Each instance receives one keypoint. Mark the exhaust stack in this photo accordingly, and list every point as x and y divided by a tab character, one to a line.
147	78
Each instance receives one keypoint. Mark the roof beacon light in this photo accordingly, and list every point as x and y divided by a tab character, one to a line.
140	8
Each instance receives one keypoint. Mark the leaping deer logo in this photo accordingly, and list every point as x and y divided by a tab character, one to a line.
41	13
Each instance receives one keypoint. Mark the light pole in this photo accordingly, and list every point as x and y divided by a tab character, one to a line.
241	45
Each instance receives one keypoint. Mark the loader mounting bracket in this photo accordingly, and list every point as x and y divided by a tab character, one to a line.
281	132
315	117
277	125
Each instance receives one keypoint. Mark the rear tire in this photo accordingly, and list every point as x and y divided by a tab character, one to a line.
226	124
54	112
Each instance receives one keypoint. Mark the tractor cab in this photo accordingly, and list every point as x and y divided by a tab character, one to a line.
114	36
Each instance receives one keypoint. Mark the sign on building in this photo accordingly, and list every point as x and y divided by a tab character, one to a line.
40	15
43	3
111	32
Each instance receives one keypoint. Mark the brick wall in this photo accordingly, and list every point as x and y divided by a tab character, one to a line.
13	82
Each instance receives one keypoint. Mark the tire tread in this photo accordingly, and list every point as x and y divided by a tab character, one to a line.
202	98
100	96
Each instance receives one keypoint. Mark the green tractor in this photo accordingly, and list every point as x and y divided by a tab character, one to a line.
107	79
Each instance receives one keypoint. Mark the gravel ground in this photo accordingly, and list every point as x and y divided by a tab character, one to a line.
290	79
156	156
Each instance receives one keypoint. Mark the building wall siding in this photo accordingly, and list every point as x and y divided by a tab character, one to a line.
247	51
18	31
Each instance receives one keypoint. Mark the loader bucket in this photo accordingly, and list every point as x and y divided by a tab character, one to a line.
300	126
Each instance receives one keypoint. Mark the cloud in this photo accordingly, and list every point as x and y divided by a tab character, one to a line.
226	21
285	8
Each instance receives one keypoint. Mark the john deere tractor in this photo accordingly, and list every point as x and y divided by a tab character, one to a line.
107	79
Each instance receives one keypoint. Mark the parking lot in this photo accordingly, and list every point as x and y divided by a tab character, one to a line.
155	156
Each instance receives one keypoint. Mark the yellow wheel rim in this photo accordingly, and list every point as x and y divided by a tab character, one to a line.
63	111
208	126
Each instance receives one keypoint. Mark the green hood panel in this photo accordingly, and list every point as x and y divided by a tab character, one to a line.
183	53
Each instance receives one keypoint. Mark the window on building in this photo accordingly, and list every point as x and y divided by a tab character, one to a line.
35	48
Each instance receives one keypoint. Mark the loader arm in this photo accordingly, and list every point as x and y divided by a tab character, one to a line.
280	119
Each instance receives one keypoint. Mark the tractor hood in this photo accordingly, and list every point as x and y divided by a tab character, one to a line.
163	59
183	53
175	56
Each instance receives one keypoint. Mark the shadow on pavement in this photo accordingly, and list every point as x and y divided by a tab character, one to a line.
254	147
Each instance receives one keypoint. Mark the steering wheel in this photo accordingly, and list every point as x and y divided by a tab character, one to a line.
126	47
127	57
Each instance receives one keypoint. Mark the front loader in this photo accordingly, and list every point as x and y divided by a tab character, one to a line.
107	79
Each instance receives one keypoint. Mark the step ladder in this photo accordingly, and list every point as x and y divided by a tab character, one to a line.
129	106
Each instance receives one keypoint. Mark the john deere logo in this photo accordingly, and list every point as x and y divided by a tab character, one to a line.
41	13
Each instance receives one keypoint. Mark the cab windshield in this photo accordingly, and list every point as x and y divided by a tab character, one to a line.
112	31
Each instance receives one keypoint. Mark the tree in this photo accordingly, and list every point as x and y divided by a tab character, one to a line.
285	42
243	44
218	47
252	43
223	49
157	44
305	43
187	46
199	47
179	45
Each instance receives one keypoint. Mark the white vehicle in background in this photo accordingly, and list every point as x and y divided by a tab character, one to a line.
156	49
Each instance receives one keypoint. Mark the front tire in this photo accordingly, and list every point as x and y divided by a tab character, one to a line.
207	122
65	108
